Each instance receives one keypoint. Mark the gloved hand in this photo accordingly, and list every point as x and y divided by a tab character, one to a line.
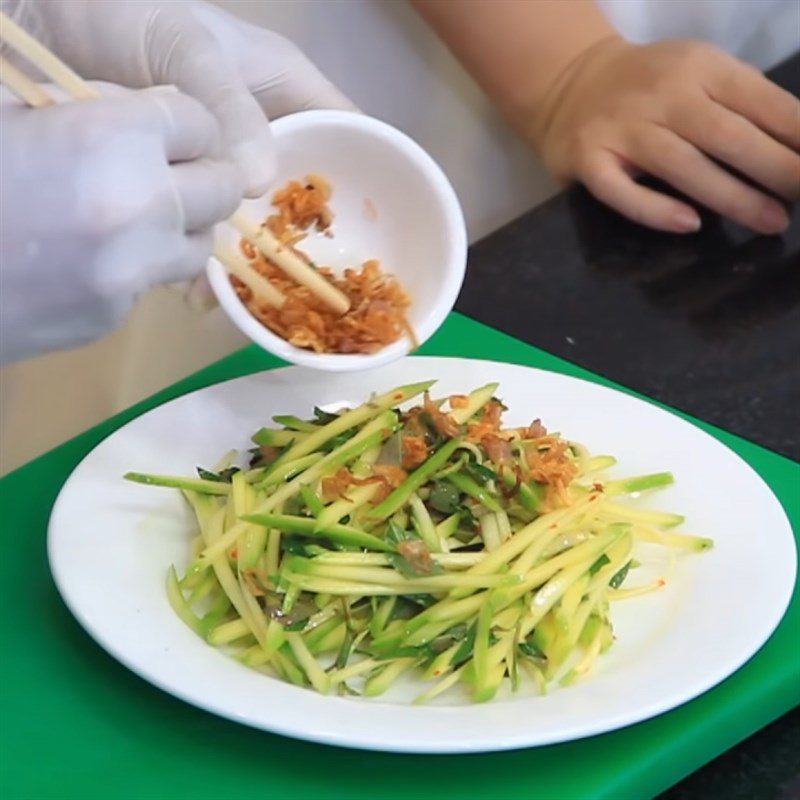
101	200
238	71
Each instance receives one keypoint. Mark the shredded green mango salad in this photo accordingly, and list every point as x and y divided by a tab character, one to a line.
360	545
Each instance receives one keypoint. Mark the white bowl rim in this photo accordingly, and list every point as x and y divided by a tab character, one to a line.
453	267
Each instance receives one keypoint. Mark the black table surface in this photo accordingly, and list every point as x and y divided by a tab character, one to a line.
707	323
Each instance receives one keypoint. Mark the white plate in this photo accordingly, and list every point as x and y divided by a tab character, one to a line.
110	543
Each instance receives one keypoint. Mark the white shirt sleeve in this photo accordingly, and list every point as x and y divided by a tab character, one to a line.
763	32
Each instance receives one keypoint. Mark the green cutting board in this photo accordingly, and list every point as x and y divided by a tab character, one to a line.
75	724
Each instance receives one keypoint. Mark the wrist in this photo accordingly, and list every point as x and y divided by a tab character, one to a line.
532	114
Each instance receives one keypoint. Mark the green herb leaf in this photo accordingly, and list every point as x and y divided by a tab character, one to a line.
619	577
401	565
405	608
467	646
601	562
294	545
432	436
346	650
396	534
294	423
441	643
224	476
295	506
480	473
467	516
530	649
256	458
324	417
336	441
445	497
423	600
400	652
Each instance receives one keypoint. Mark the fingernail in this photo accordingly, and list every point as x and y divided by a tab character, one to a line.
773	219
257	164
686	221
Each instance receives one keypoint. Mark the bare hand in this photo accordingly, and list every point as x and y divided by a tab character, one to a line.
681	111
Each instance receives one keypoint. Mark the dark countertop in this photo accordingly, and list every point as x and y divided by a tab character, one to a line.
707	323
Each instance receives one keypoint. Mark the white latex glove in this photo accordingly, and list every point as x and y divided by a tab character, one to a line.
99	201
241	73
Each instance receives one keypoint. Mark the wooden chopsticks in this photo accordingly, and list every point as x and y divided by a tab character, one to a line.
238	266
43	59
30	92
283	256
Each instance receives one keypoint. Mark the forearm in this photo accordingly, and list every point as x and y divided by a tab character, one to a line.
517	50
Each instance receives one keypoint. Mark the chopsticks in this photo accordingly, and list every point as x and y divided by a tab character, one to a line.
283	256
238	266
47	62
28	91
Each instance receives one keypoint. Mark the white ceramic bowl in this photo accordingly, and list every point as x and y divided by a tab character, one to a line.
390	200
